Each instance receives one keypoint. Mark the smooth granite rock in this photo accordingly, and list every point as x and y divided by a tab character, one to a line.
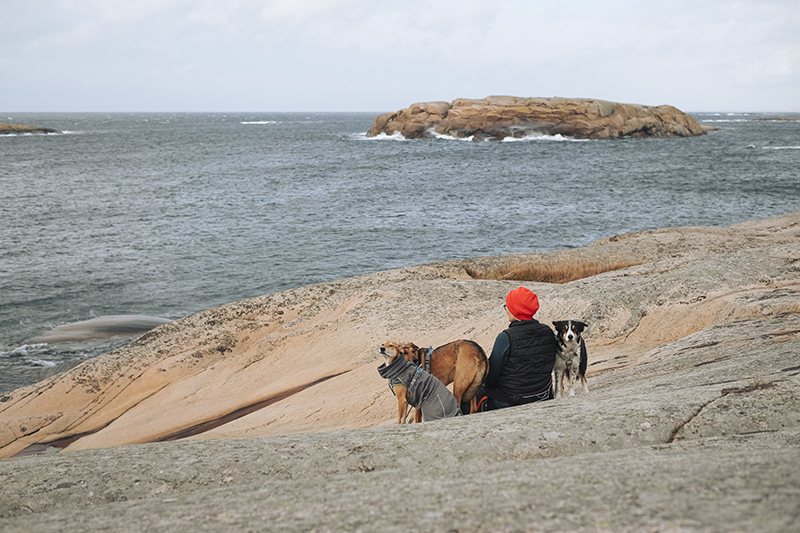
692	422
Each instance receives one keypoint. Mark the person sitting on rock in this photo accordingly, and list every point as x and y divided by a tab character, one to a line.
522	358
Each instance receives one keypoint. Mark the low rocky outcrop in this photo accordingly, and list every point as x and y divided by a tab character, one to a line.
498	117
269	414
19	129
99	328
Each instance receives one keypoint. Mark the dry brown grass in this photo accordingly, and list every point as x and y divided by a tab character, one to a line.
548	272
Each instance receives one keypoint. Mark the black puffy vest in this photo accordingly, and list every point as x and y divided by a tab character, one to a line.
530	360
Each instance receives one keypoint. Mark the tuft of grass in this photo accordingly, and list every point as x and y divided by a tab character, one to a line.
556	271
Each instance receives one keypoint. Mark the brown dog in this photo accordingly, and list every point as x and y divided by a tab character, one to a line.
416	387
462	363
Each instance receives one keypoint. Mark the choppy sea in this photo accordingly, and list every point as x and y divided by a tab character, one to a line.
168	214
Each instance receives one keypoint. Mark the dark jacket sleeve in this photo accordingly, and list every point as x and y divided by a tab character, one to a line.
497	359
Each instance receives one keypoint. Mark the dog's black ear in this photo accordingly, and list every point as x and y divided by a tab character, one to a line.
419	354
580	326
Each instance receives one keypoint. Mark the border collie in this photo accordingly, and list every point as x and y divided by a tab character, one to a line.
570	357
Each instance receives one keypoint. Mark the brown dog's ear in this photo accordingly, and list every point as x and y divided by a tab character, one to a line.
411	352
405	348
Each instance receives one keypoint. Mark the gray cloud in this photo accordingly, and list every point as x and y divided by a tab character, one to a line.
341	55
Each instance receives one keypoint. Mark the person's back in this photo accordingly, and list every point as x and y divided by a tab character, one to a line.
523	356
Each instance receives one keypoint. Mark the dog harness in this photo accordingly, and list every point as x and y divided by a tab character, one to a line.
572	354
424	391
425	362
413	382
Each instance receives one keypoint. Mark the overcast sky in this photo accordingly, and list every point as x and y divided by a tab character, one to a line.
383	55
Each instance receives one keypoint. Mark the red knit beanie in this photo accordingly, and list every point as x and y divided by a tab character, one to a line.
522	303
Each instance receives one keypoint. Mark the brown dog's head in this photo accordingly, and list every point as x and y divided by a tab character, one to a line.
390	350
409	350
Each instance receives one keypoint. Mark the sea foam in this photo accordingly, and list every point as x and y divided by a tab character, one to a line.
396	136
534	137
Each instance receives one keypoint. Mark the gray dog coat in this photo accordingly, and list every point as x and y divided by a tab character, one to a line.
425	392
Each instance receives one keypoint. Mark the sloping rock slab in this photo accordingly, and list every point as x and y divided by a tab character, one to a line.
498	117
692	422
305	360
702	437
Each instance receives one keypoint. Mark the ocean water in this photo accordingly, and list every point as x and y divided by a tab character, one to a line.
169	214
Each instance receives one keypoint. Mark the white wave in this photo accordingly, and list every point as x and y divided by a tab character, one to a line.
449	137
49	134
42	362
781	147
396	136
22	350
260	122
527	138
727	120
540	137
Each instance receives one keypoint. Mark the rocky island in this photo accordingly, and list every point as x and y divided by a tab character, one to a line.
269	414
497	117
19	129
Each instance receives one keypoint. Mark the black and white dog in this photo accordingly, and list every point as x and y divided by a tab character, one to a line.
570	357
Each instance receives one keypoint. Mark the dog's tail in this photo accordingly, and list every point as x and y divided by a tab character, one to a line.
480	377
584	359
